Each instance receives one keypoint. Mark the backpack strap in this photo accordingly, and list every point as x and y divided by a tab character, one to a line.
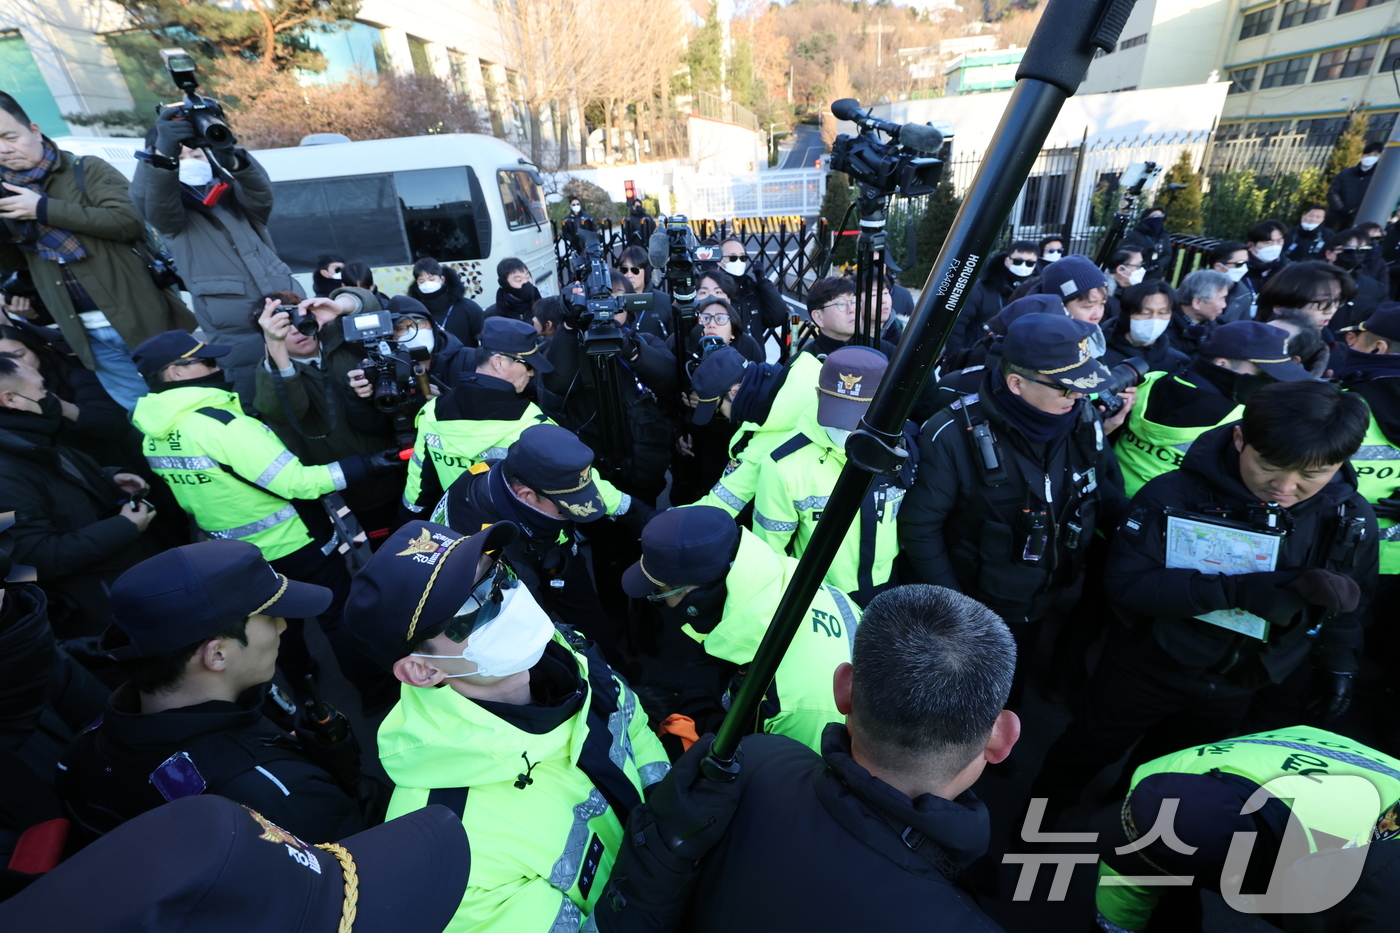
791	446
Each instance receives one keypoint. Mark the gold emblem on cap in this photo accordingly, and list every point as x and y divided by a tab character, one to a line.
1084	382
851	384
582	511
423	544
585	477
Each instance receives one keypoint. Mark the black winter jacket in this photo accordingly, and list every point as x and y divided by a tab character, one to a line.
900	860
1156	250
967	530
232	748
759	303
987	297
1162	603
451	309
1300	245
1345	194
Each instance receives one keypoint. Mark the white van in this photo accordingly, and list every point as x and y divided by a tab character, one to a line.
466	200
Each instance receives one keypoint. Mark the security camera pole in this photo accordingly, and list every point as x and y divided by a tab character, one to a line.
1055	63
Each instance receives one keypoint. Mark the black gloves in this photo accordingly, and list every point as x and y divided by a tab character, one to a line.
1333	591
172	132
1267	595
361	467
1329	695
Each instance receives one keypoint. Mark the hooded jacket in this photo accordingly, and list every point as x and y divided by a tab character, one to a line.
66	522
451	309
988	296
1162	603
801	816
544	834
109	774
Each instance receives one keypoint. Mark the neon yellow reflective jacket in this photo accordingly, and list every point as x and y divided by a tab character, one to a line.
1296	754
452	447
1147	449
794	483
801	689
794	399
1377	466
229	470
542	853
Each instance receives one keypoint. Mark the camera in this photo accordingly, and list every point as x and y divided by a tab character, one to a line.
305	324
590	312
399	381
1125	375
203	113
889	166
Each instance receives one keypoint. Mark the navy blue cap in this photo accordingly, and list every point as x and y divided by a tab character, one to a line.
161	350
1028	304
415	584
196	591
554	463
1261	344
1383	322
847	385
712	380
509	337
206	863
1057	346
689	545
1070	276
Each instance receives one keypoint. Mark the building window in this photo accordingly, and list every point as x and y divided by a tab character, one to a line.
418	54
1286	72
1242	80
458	66
1346	63
440	214
521	198
1391	62
1347	6
1134	41
1298	12
1257	23
354	49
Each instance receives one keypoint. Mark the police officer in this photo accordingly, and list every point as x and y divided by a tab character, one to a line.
546	486
209	865
1196	645
482	415
1184	809
532	739
796	478
715	587
237	480
576	221
764	400
1173	410
1013	481
196	630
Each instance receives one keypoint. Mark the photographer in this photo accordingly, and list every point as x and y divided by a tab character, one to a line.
215	222
71	223
634	265
442	292
320	419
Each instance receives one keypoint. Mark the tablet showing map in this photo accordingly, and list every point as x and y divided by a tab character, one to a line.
1197	543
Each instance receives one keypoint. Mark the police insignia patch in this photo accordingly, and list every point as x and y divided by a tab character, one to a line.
423	544
1085	382
1388	826
850	385
732	466
582	511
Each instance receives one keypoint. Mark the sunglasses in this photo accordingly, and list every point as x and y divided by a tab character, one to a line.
1063	390
714	319
631	270
662	597
196	361
1022	262
484	603
736	258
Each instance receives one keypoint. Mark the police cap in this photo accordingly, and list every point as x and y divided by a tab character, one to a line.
1056	346
509	337
1263	345
554	463
161	350
1383	322
689	545
712	380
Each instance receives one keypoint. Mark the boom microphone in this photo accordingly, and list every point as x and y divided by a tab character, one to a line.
917	136
658	254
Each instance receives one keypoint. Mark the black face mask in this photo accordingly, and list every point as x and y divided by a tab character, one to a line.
1348	259
215	380
1246	384
705	602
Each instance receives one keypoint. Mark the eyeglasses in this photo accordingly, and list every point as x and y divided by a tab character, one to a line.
1232	265
662	597
196	361
484	603
631	270
1063	390
720	318
1324	304
1131	265
516	359
844	304
1022	262
739	258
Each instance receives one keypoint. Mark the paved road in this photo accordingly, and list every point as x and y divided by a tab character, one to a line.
806	146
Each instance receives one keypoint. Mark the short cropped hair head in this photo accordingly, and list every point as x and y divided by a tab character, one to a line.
723	279
1023	246
12	107
1303	425
932	671
824	291
1263	231
1203	283
549	311
163	672
510	264
357	275
427	264
635	256
1346	238
1304	344
1373	147
1047	240
1297	283
1124	256
1223	251
324	260
617	280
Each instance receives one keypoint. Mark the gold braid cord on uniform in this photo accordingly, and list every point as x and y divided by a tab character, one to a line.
350	905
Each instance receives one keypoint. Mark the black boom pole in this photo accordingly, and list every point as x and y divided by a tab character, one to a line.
1054	64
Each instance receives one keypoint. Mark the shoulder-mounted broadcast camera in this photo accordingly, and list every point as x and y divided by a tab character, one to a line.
590	311
204	113
904	164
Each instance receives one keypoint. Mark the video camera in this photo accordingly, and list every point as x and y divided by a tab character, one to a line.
203	113
591	311
399	382
887	167
1125	375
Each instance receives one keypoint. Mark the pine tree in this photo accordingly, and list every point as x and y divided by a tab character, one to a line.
834	204
705	56
933	229
1235	203
1183	205
1346	152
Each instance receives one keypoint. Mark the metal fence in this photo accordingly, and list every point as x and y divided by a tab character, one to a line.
714	107
761	194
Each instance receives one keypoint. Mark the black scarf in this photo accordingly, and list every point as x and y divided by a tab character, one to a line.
518	303
1038	426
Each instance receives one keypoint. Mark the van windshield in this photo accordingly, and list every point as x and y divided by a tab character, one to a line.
520	196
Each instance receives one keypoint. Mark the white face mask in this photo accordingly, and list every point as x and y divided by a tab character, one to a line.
1021	271
1237	273
1052	255
838	437
334	275
512	642
735	269
428	288
1269	253
1136	277
1309	227
195	172
1144	332
1368	161
423	337
575	207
